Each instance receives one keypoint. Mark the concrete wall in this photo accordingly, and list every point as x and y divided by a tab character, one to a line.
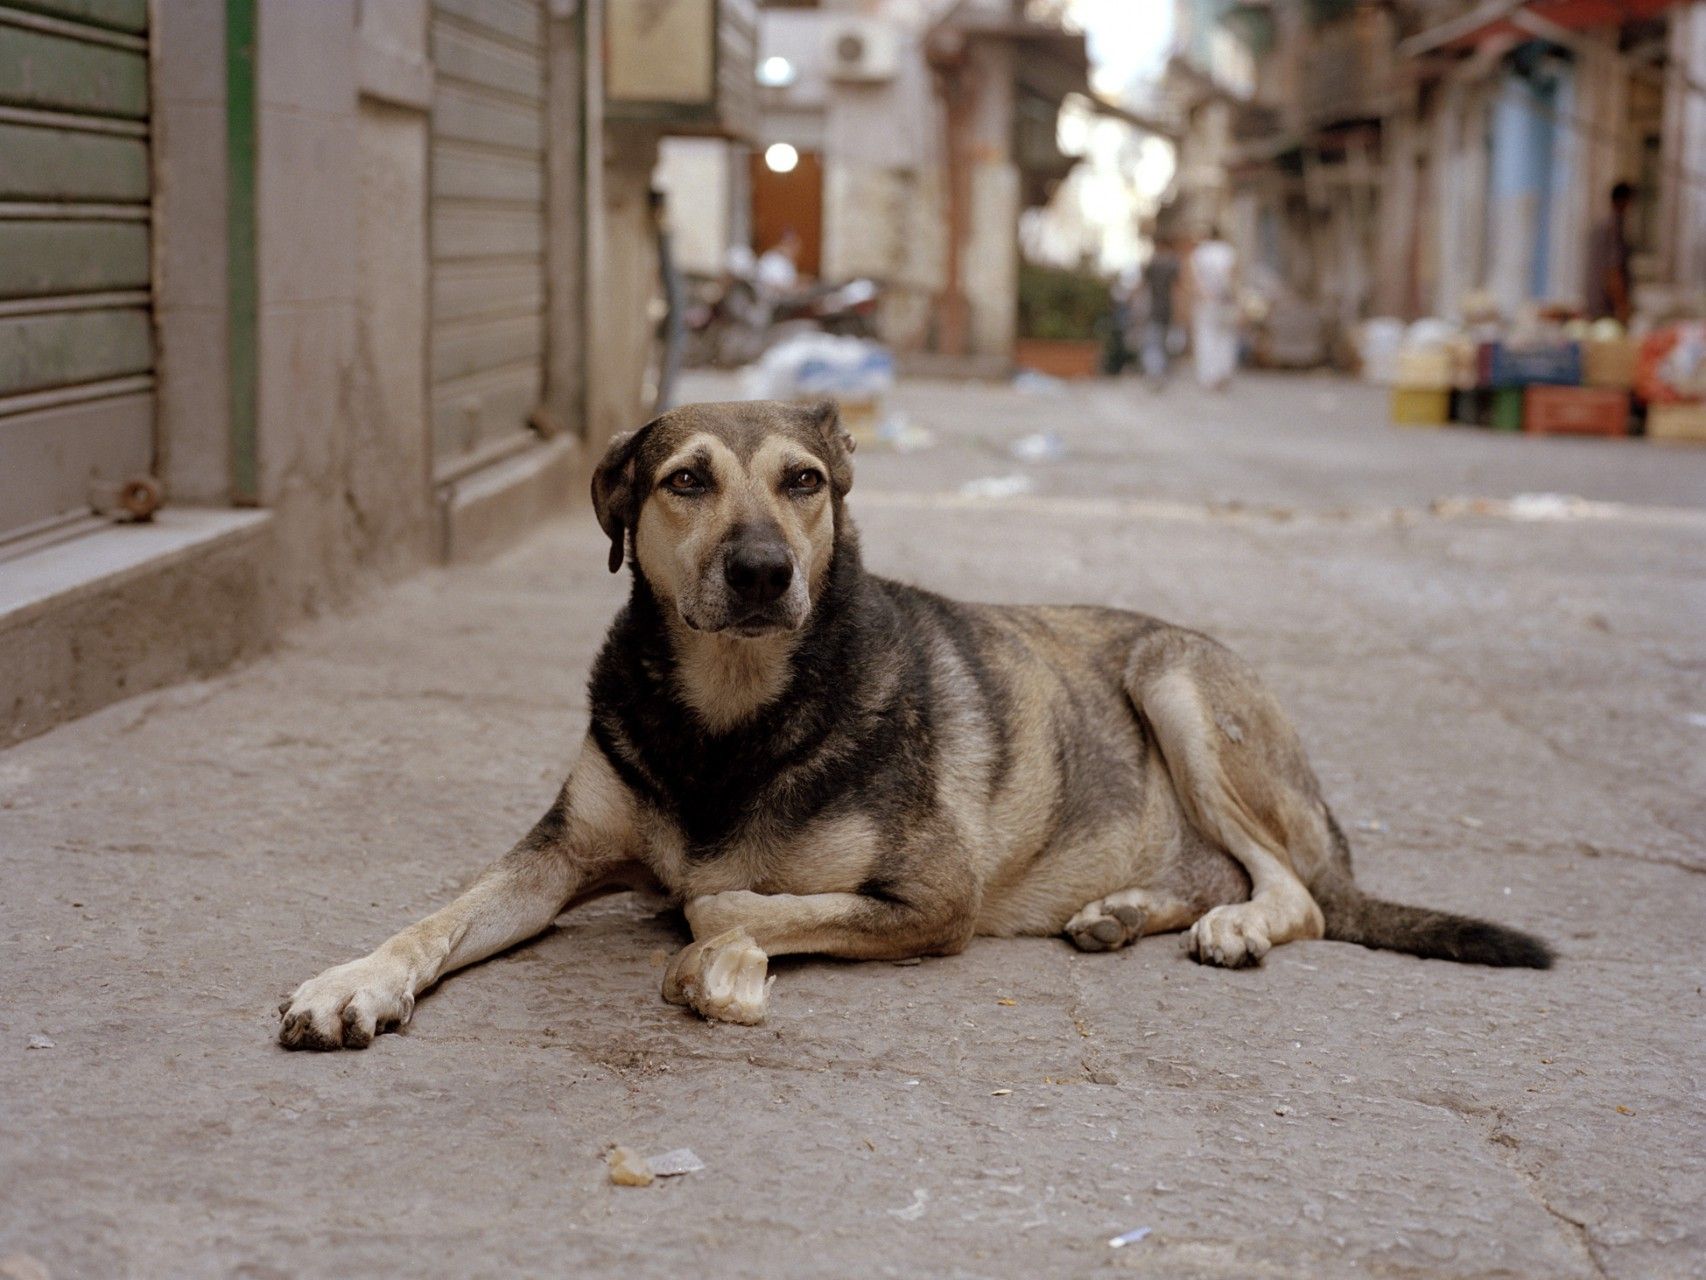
625	280
343	91
388	462
989	274
697	174
1682	223
884	195
190	315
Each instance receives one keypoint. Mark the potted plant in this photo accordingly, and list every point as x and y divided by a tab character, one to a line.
1063	316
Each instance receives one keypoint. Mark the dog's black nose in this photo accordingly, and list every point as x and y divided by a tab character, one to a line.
758	572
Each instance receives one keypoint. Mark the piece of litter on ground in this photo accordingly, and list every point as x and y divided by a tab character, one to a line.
1004	1000
40	1042
1039	446
672	1164
999	1093
627	1169
899	433
1474	824
1371	824
1624	1111
997	487
1546	506
914	1211
1130	1237
1034	383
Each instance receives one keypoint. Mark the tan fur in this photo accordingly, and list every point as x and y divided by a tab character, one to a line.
728	679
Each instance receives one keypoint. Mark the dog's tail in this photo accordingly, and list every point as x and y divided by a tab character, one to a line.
1354	916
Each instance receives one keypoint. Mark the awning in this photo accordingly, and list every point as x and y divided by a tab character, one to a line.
1526	19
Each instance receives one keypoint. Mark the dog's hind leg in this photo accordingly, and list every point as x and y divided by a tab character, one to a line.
1242	782
578	848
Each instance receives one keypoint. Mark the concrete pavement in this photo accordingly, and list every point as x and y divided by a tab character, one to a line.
1508	714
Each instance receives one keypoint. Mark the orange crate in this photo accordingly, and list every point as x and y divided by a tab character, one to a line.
1575	411
1610	363
1686	422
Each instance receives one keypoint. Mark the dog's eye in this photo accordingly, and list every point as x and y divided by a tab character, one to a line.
683	481
809	480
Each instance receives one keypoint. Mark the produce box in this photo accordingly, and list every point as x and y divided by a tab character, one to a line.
1576	411
1663	375
1426	369
1610	363
1557	364
1421	406
1465	364
1677	422
1507	409
1472	408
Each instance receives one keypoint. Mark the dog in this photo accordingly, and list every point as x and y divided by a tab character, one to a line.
810	758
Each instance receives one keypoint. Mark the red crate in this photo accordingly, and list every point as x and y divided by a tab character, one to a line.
1575	411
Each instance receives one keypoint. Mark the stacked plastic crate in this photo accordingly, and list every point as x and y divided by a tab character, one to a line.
1670	377
1421	384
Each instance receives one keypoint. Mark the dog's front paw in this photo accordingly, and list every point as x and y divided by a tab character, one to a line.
346	1006
1231	936
721	977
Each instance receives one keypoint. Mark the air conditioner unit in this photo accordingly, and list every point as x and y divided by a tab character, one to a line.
861	50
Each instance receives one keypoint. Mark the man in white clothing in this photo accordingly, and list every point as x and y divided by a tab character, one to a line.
1214	311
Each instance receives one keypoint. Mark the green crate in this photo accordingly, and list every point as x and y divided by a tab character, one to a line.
1507	409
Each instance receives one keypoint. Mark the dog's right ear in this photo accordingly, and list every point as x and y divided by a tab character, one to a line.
615	496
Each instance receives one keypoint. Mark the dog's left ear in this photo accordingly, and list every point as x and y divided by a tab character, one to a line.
614	492
838	445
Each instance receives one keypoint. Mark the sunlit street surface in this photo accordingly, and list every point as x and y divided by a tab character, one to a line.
1491	644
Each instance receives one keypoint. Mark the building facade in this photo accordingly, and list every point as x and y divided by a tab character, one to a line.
917	133
343	287
1402	158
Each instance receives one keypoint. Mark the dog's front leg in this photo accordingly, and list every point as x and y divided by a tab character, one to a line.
722	973
584	841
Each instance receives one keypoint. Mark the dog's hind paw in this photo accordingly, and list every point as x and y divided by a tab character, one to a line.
721	978
1107	924
1233	937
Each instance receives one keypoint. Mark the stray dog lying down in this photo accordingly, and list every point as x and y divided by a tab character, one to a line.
811	758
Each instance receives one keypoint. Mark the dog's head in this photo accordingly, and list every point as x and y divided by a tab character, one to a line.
732	508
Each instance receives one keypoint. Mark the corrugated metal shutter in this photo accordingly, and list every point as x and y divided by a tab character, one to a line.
487	224
76	340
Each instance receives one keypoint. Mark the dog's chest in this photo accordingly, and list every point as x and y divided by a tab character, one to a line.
824	855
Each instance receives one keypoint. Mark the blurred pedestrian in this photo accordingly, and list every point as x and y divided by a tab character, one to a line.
1160	284
1116	328
1608	284
1214	313
778	271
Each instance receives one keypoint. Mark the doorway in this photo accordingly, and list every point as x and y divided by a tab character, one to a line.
791	197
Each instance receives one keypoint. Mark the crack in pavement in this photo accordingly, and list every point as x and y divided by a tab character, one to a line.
1576	1230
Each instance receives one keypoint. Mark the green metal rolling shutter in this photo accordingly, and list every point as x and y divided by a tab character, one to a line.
487	224
76	340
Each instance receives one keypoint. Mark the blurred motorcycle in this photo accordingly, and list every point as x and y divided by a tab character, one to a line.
730	322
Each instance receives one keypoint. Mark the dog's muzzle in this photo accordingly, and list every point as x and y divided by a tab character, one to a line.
758	574
759	584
